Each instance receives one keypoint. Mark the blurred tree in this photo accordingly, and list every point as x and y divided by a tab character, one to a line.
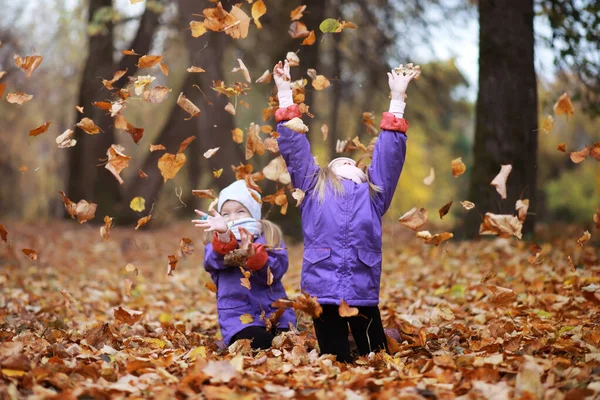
506	111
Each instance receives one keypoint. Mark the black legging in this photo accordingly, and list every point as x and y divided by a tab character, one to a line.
260	337
332	332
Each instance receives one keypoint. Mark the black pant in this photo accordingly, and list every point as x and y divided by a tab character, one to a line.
366	327
260	337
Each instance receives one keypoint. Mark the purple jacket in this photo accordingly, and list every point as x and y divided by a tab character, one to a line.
342	235
233	299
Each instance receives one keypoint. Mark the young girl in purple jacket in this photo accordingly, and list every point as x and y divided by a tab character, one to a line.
238	223
341	220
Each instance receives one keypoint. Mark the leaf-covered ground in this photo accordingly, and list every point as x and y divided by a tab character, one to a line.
486	320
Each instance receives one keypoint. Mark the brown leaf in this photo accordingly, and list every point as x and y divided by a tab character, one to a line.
148	61
89	126
169	164
579	156
28	64
109	83
117	161
142	221
186	247
547	124
164	68
468	205
368	121
254	143
310	39
502	225
40	129
279	198
298	30
156	147
187	106
85	211
596	218
142	174
18	98
458	167
414	219
346	311
128	317
157	94
197	28
434	239
502	296
3	234
320	82
297	13
105	230
2	88
70	206
129	52
583	239
204	193
561	147
500	180
564	106
308	304
136	133
172	264
521	206
185	144
445	208
211	286
30	253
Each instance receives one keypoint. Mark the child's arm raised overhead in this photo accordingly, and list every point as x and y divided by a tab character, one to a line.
390	149
293	146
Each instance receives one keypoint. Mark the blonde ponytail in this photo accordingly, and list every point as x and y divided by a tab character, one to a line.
326	174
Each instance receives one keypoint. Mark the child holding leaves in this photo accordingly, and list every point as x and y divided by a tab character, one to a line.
244	311
341	219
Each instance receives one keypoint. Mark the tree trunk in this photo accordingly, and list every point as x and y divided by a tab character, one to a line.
506	121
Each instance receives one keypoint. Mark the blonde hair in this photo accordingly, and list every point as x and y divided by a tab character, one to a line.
272	233
326	174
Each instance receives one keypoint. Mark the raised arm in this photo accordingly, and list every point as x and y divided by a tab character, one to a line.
390	149
293	146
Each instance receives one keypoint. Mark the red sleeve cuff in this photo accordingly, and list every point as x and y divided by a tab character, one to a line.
285	114
259	259
224	248
392	123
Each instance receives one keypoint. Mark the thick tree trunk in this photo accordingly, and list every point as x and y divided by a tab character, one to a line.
506	121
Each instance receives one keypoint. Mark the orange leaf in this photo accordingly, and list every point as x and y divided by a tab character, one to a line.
310	39
458	167
185	144
127	317
237	135
502	225
254	143
117	161
142	174
579	156
346	311
157	94
561	147
198	28
297	13
584	238
136	133
194	69
164	68
30	253
29	64
188	106
117	75
157	147
211	286
105	230
169	164
172	265
434	239
204	193
40	129
564	106
70	206
298	30
148	61
414	219
3	234
89	126
258	10
85	211
143	221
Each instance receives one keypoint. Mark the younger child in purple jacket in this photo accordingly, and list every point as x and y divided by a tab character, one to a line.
238	223
341	220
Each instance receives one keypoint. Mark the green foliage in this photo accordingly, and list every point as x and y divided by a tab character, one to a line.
575	195
329	25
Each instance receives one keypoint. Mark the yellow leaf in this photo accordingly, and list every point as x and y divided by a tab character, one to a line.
547	124
238	135
246	319
198	351
169	164
197	28
258	10
217	173
13	373
138	204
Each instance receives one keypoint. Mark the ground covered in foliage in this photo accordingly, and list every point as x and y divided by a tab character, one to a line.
494	319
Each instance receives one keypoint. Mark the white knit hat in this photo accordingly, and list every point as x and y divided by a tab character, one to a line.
238	191
340	160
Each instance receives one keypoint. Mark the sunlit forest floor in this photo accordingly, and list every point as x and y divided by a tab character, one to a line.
496	318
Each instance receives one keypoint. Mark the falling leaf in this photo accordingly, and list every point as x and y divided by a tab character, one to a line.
368	121
237	135
142	174
172	265
138	204
310	39
445	208
579	156
39	130
140	83
277	171
467	205
157	94
186	247
521	206
254	144
298	194
269	276
502	296
429	179
85	211
278	198
547	124
458	167
211	152
164	68
346	311
583	239
169	164
564	106
18	98
595	151
148	61
500	180
105	230
324	131
142	221
187	106
309	305
136	133
244	70
297	13
3	234
194	69
204	193
117	161
330	25
230	108
298	30
239	29
217	173
109	83
296	125
561	147
156	147
292	59
434	239
258	10
186	142
320	82
130	52
246	319
30	253
502	225
197	28
2	88
414	219
66	139
89	126
29	64
211	286
70	206
128	317
265	77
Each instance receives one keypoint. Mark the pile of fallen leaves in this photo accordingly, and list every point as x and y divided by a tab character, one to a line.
498	319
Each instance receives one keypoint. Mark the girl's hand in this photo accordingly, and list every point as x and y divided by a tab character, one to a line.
399	82
282	77
211	223
247	238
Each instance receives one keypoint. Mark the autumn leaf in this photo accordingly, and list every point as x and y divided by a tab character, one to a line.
194	69
502	296
117	161
39	130
245	72
32	254
197	28
564	106
169	164
230	108
434	239
579	156
66	139
142	221
70	206
186	247
156	147
254	144
136	133
142	174
561	147
547	124
596	218
298	194
583	239
3	234
346	311
310	39
298	30
292	58
368	121
297	13
204	193
172	264
430	178
521	206
105	230
308	304
246	319
28	64
502	225
187	106
217	173
89	126
500	180
320	82
296	125
458	167
211	152
2	88
141	82
414	218
116	76
128	317
138	204
186	142
258	10
279	198
237	135
18	98
211	286
164	68
445	208
265	77
148	61
85	211
157	94
277	171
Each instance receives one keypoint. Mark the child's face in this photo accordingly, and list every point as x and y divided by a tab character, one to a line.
233	210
